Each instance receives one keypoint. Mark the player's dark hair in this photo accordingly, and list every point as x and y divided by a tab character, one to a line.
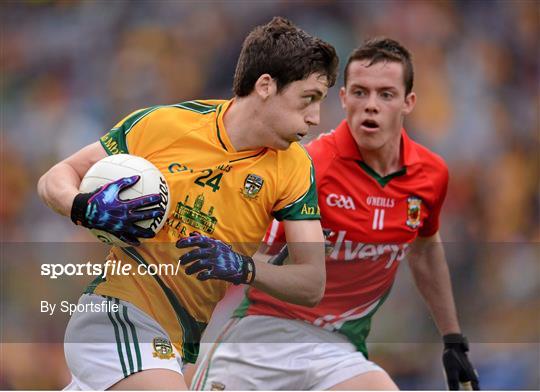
286	53
381	49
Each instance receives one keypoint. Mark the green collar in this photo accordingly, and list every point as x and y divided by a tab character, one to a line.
381	180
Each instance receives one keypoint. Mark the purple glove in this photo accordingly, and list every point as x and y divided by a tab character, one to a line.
215	260
104	210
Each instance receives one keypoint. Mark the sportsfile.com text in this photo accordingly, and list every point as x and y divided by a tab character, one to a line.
109	268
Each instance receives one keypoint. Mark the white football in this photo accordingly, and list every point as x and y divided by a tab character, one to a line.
118	166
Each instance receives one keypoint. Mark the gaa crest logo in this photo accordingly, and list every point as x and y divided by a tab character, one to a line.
162	348
413	211
252	186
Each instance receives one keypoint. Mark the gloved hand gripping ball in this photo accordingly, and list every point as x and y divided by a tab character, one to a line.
123	198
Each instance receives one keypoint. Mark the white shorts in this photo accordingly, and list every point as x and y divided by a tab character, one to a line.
281	354
106	345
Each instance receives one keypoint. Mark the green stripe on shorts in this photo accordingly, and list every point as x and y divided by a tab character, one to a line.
135	339
126	337
117	337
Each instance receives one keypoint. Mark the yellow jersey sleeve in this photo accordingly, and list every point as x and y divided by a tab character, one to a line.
298	192
115	141
147	131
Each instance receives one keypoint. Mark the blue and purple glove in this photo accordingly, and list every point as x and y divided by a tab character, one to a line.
104	210
214	259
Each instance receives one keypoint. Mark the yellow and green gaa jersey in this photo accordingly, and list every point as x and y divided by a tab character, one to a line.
216	191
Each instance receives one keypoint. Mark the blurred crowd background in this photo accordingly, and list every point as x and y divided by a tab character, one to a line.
71	69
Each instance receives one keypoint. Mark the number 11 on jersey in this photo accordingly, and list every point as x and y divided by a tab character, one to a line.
378	219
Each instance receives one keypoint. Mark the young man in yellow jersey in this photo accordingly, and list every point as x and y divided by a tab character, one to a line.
232	166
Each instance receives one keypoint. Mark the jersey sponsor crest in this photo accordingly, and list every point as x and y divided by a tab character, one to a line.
413	211
162	348
195	216
252	186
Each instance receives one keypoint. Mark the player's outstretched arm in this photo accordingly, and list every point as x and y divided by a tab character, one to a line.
59	186
301	283
430	271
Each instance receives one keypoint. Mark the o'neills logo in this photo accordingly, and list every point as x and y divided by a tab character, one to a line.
386	202
164	196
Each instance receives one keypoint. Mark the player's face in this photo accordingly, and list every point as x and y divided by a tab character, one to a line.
290	113
375	102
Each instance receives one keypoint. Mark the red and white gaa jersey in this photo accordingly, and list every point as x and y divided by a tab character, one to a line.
373	220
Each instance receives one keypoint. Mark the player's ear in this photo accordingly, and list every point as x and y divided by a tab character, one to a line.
342	93
410	101
265	86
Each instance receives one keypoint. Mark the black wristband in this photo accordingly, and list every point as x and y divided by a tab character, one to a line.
78	208
249	270
453	340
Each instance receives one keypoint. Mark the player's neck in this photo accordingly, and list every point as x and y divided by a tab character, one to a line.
242	125
386	160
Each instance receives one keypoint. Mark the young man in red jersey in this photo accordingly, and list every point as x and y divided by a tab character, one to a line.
381	194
